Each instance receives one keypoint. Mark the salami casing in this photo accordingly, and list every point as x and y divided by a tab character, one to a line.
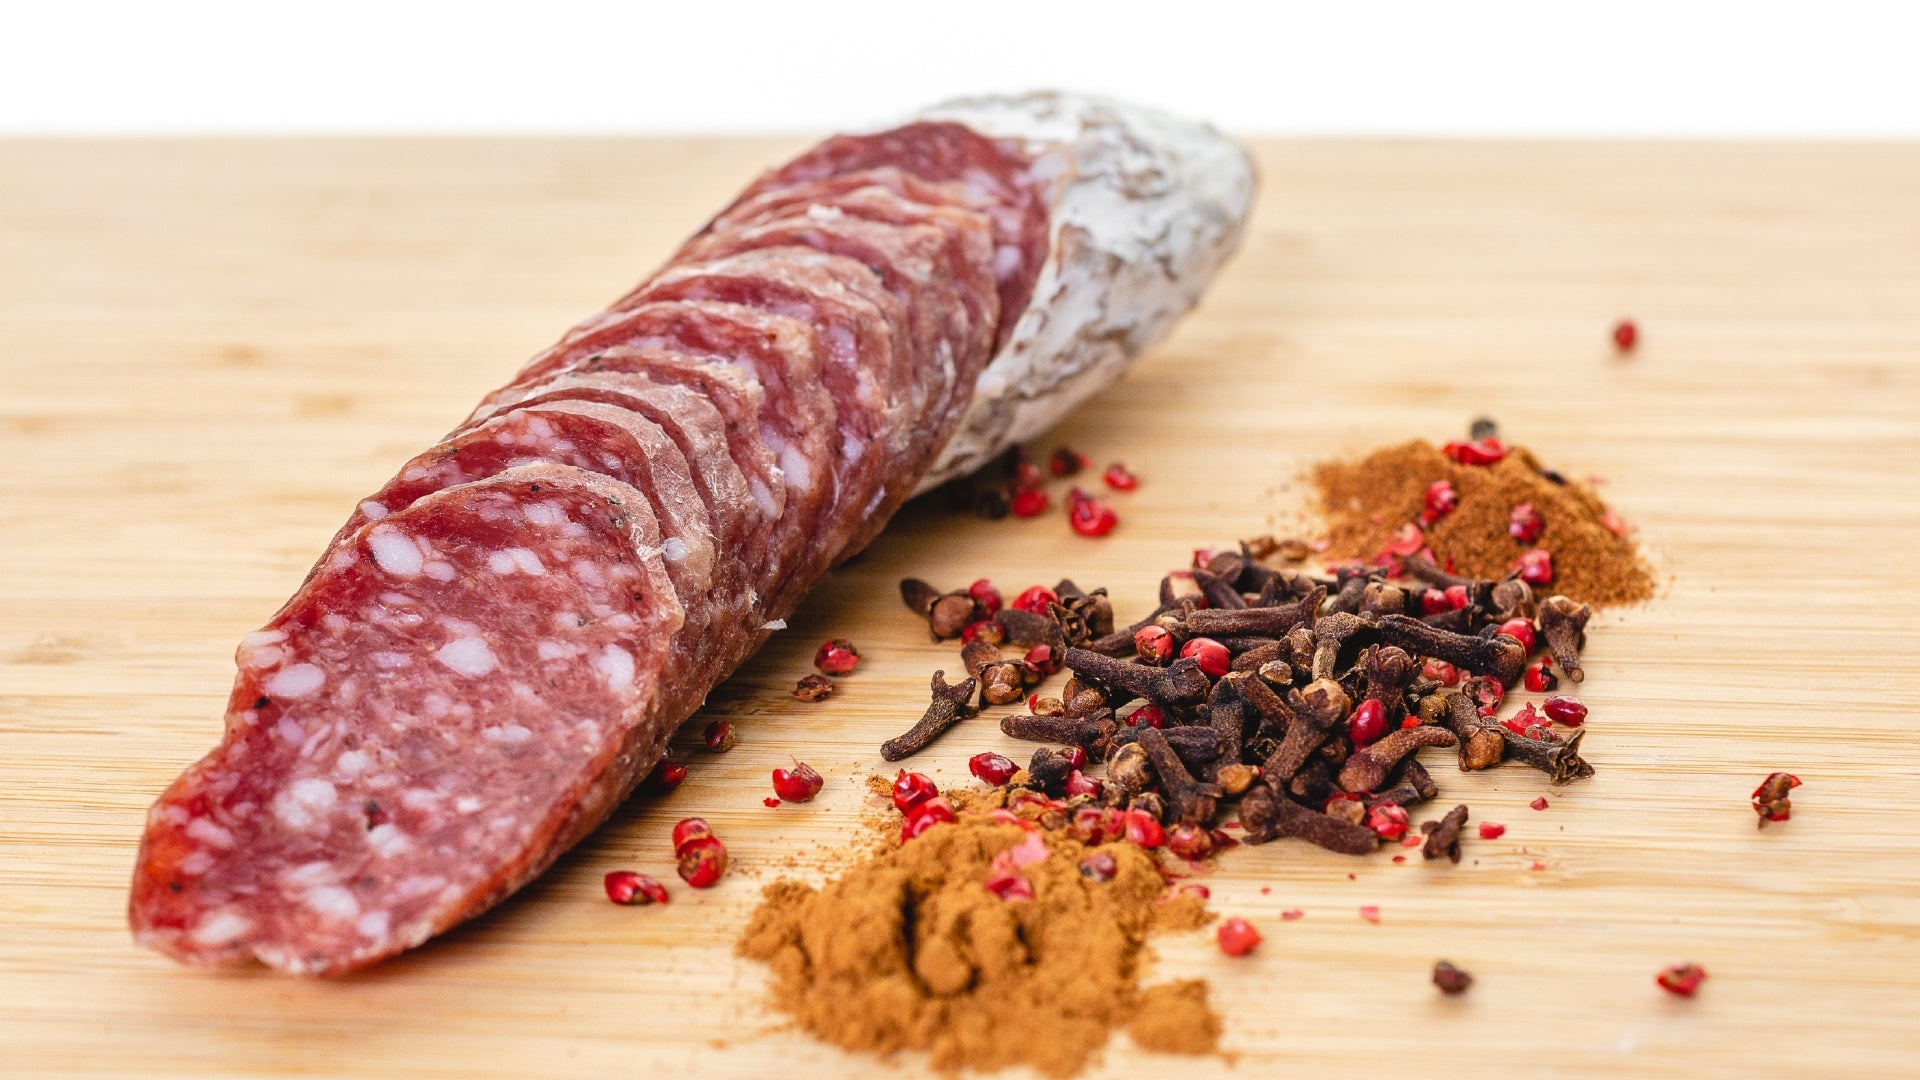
498	644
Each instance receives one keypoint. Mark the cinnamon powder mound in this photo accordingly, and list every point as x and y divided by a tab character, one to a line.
1365	502
910	951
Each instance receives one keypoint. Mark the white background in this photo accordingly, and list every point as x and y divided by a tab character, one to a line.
1844	68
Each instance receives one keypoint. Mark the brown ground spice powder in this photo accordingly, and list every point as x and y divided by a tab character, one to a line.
1364	502
910	951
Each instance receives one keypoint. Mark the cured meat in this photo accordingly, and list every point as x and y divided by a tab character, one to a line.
498	644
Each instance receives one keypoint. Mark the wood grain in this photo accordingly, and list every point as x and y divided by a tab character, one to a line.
210	349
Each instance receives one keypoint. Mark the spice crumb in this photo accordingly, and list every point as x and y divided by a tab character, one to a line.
1539	803
1371	913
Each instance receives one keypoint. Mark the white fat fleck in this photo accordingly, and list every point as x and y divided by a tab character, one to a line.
573	530
373	511
334	621
351	764
290	731
209	833
467	656
822	212
333	902
342	559
553	650
768	504
616	665
798	472
374	924
466	804
296	681
387	840
440	570
527	561
458	627
263	637
420	799
539	426
774	624
388	660
394	550
619	620
260	657
674	550
589	573
197	862
309	874
436	705
299	801
546	513
221	927
508	735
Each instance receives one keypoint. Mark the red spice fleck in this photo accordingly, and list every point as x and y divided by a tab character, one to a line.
1076	756
836	657
1523	722
1540	677
1415	840
1190	841
1210	654
1079	783
1029	503
1539	803
1770	799
1439	670
1538	866
1434	602
627	887
719	737
986	599
1120	478
1565	710
1099	866
1388	821
1036	599
1407	540
1457	597
1681	979
770	802
1615	524
1144	829
1492	830
1525	523
1291	913
1045	659
1625	335
1194	888
910	789
1370	912
1440	501
1410	722
1399	858
1091	517
1010	887
1153	643
1369	722
1486	451
687	830
1026	476
1520	630
995	769
983	628
701	861
1535	566
665	777
1066	462
797	784
1237	937
925	816
1150	715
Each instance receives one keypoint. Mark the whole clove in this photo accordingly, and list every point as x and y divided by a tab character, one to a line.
1313	715
952	703
1561	761
1482	739
1388	671
1025	629
1330	634
1443	836
1265	816
1220	593
1369	766
1499	656
1269	622
1563	624
1415	775
1048	771
1066	730
1191	801
1179	684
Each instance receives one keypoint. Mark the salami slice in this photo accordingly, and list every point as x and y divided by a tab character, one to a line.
421	732
500	641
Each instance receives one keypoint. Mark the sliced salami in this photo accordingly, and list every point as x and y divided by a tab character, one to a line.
419	732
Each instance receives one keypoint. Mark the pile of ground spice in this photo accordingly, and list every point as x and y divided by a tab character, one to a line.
910	951
1367	503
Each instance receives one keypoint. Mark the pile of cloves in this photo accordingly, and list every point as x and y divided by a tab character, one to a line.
1300	699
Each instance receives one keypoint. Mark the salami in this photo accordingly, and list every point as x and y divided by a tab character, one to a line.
498	643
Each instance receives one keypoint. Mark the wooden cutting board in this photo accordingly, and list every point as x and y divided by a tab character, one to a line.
210	349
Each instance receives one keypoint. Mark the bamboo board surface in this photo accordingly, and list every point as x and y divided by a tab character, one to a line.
210	349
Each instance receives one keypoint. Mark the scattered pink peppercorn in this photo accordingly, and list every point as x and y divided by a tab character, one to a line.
720	737
1029	503
836	657
1539	676
1389	822
797	784
1153	643
1614	524
1407	540
1535	566
1681	979
1010	887
1066	462
1487	451
1237	937
1439	501
1625	335
983	628
1148	716
1075	756
1369	722
1370	912
813	688
687	830
1441	672
1144	829
1565	710
1045	659
701	861
1770	799
910	789
1079	783
1036	599
1457	597
1045	706
1209	654
627	887
1099	867
1492	830
926	815
1539	803
1525	523
1293	913
1434	602
1091	517
1120	478
986	599
1520	630
665	777
770	802
995	769
1190	841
